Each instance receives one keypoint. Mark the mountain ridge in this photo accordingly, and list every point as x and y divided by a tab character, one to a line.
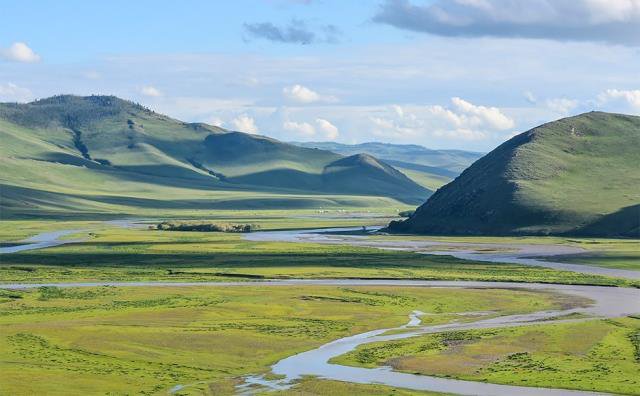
63	143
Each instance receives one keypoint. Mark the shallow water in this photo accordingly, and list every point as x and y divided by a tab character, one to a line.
41	241
525	254
607	302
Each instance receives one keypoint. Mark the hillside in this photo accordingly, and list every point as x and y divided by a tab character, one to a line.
429	168
102	154
578	175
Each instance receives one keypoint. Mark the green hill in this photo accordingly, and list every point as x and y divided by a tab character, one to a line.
429	168
102	154
578	175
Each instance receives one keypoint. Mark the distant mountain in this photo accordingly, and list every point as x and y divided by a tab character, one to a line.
578	175
104	154
430	168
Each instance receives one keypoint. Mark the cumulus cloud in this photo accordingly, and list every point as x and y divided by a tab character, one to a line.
614	21
462	120
301	128
150	91
473	115
329	130
628	98
19	52
296	32
244	123
562	106
10	92
301	94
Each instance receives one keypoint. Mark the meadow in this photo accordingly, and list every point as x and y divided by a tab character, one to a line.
593	355
120	254
147	340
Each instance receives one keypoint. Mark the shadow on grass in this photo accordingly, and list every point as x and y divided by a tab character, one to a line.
231	259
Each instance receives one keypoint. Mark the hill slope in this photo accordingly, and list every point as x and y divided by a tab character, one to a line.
578	175
101	154
429	168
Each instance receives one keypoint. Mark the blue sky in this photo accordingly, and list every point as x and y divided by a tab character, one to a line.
445	74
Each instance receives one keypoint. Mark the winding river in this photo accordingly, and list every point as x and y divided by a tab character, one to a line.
607	302
525	254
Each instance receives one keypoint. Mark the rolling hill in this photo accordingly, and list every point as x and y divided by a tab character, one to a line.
102	154
578	175
429	168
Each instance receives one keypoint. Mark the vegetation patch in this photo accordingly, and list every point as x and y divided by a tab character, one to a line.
205	227
594	355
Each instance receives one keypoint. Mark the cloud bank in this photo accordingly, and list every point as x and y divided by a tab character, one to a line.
613	21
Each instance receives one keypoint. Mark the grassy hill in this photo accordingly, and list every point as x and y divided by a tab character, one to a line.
429	168
578	175
102	154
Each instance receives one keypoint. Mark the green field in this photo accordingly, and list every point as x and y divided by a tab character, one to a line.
113	253
595	355
145	340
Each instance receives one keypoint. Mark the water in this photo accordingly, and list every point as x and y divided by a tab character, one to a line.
41	241
525	254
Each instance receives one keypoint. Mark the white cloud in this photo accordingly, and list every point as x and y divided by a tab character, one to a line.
216	121
301	94
244	123
150	91
561	106
10	92
530	97
631	98
302	128
462	121
330	131
491	117
19	52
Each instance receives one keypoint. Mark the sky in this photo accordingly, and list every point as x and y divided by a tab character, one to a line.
456	74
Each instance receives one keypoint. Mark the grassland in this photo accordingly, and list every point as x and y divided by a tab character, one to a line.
146	340
600	252
315	386
112	253
578	175
596	355
99	156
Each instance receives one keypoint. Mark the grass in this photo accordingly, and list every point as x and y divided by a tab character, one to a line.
314	386
599	252
147	340
112	253
594	355
129	160
577	175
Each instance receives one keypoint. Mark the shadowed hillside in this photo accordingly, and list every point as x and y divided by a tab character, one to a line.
576	175
429	168
101	154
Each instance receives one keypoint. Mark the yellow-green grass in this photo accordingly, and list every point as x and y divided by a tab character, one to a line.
118	254
594	355
17	230
314	386
600	252
146	340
